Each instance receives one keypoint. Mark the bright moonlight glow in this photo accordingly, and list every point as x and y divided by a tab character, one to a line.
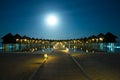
51	20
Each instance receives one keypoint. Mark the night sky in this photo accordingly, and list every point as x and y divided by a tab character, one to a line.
77	18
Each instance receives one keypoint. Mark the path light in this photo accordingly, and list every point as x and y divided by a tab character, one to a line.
45	56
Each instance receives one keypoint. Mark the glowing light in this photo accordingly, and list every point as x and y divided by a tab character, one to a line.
87	51
51	20
117	47
33	50
45	56
17	39
1	48
101	39
93	39
25	40
67	49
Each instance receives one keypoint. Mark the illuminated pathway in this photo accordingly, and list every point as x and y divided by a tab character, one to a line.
59	66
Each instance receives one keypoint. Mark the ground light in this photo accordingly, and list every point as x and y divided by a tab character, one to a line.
45	56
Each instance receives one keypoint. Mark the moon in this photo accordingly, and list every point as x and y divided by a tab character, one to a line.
52	20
